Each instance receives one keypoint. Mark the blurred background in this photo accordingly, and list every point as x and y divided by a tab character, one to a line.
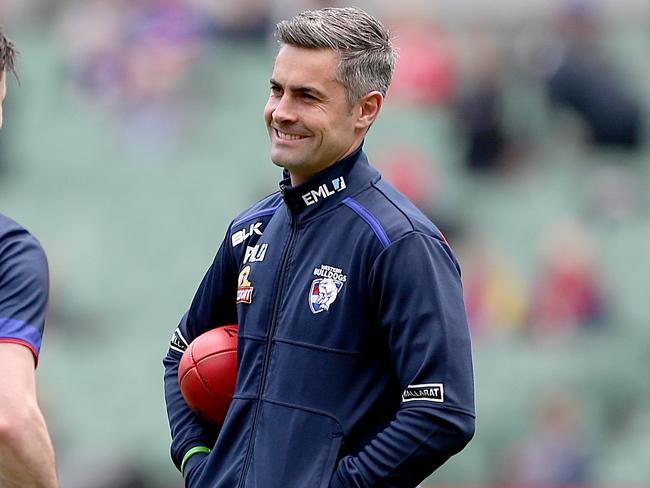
521	128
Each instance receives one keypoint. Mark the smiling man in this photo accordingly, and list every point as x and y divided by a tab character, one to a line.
354	357
310	120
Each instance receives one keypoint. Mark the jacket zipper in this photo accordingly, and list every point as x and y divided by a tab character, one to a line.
267	352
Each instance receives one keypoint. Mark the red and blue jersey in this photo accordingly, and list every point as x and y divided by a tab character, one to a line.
24	286
354	356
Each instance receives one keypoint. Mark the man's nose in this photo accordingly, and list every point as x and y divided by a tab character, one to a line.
285	110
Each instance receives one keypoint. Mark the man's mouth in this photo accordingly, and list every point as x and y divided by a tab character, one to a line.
287	136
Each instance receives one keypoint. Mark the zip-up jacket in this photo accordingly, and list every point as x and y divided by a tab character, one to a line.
354	357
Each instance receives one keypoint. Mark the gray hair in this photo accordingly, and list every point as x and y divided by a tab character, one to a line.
367	56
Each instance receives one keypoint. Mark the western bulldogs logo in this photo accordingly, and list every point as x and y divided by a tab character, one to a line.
323	293
326	287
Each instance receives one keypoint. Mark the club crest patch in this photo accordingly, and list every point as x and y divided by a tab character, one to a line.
323	293
325	289
244	287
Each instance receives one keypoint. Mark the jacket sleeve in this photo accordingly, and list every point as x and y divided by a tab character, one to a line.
214	304
24	290
415	286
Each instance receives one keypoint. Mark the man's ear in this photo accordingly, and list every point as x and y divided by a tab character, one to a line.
368	109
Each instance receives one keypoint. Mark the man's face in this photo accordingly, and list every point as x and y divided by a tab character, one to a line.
3	92
310	123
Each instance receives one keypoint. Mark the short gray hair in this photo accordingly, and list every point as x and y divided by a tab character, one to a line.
367	56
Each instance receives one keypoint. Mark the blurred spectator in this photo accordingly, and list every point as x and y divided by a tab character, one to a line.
425	73
556	452
581	77
165	40
136	57
94	41
569	292
243	19
480	105
495	295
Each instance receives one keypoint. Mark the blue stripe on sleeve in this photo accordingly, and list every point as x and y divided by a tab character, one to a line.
369	219
20	330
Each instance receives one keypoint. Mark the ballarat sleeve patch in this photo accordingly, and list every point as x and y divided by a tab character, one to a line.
178	342
430	392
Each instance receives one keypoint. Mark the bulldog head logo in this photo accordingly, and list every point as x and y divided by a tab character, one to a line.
323	293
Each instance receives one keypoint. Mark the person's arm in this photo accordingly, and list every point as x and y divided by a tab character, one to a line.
26	453
214	304
416	289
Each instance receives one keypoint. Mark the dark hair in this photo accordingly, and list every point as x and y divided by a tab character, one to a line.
367	56
7	54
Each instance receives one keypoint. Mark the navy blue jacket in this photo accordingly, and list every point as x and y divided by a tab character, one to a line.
24	286
354	353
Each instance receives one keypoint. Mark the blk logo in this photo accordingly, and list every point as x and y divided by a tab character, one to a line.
241	235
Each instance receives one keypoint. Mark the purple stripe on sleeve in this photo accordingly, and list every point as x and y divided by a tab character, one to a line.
369	219
20	331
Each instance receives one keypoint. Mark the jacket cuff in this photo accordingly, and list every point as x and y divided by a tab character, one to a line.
337	481
193	464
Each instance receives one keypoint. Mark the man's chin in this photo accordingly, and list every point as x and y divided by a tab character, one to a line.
283	161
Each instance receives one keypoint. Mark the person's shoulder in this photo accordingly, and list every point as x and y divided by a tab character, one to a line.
21	254
391	213
9	227
264	208
14	238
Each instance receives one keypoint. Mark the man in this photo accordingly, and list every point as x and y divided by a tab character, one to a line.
26	453
353	351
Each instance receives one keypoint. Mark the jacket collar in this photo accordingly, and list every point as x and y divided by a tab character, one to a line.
328	188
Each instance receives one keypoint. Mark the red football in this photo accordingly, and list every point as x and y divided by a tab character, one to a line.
208	371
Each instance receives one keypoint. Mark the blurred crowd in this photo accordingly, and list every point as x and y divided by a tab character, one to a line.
566	60
140	61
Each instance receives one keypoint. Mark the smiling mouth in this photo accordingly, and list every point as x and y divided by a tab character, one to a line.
285	136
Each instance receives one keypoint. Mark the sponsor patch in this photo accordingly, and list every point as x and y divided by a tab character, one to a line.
178	342
244	287
324	191
241	235
255	254
430	392
325	289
